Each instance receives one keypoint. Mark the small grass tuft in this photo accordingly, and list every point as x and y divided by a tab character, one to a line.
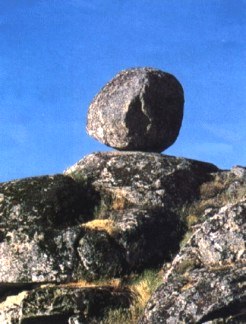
142	287
145	285
116	283
106	225
118	316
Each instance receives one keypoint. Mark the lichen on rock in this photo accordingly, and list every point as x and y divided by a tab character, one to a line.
207	279
40	223
54	304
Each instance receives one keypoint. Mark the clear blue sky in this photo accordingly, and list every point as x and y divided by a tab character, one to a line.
55	55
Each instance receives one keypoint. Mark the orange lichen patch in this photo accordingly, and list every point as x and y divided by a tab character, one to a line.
119	199
106	225
187	286
220	267
118	203
191	220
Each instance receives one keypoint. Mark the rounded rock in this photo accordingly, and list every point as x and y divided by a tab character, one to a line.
140	109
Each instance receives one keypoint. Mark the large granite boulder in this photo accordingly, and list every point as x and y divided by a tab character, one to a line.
140	109
207	279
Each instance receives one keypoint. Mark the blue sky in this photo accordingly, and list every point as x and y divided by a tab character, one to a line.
55	55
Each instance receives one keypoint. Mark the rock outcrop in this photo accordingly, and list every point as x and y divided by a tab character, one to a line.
112	215
144	180
74	248
207	279
141	193
140	109
62	304
44	237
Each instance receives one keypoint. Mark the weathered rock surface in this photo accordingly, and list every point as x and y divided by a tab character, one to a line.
143	180
118	213
205	297
207	279
100	255
141	193
42	238
140	109
62	304
146	237
39	225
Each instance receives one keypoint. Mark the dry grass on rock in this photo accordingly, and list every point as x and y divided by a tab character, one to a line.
106	225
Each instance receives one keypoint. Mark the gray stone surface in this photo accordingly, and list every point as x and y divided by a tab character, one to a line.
142	193
203	297
144	180
100	255
63	305
207	279
41	234
115	214
40	221
140	109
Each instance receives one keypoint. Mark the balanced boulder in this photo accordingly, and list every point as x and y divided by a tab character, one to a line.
141	109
